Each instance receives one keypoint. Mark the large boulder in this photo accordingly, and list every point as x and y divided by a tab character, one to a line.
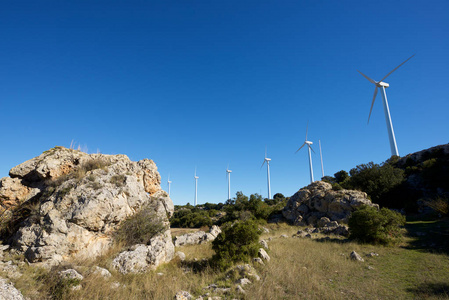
311	204
75	201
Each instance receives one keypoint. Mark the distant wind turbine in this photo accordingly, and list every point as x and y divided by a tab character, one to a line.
382	85
321	156
267	160
196	188
308	143
168	182
228	174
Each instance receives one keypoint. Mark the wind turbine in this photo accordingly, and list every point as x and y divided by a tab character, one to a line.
382	85
321	156
228	174
196	188
308	143
168	182
267	160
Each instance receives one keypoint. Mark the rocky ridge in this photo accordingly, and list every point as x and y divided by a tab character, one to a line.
66	203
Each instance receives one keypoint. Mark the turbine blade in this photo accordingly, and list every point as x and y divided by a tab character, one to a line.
263	163
300	147
307	129
372	103
396	68
311	149
369	79
265	151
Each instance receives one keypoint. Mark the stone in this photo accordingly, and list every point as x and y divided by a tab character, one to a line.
284	236
79	201
183	295
70	274
317	201
8	291
180	255
142	258
264	255
102	272
372	254
264	244
239	289
10	269
198	237
243	281
258	260
355	256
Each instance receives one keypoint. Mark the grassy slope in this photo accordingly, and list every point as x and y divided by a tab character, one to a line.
299	269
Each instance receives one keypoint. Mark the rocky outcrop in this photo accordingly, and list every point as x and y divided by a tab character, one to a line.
75	201
141	258
318	200
198	237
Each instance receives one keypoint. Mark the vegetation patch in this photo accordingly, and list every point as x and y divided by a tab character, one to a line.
140	227
370	225
237	242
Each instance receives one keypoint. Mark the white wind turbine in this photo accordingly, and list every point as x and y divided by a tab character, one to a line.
267	160
196	188
382	85
168	182
308	143
228	175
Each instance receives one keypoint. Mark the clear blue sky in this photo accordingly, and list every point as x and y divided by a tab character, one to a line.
207	83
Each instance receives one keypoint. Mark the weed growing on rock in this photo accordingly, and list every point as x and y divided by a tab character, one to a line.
140	228
118	180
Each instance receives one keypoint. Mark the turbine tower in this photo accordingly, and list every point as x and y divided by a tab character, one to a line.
228	174
267	160
196	188
382	85
321	156
168	182
308	143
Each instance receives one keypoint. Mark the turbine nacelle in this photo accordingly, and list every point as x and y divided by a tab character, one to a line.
384	84
229	171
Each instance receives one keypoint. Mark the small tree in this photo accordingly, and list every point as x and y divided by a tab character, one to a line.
236	242
370	225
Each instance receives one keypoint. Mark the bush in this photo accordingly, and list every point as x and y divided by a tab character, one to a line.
140	227
236	242
370	225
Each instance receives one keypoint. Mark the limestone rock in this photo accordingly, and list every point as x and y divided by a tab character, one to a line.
355	256
70	274
317	201
264	244
78	201
198	237
102	272
141	258
8	291
183	295
180	255
264	255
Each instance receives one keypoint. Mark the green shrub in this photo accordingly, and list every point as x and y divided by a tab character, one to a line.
370	225
140	227
236	242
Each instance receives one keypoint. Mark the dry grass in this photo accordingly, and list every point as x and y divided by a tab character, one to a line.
299	269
